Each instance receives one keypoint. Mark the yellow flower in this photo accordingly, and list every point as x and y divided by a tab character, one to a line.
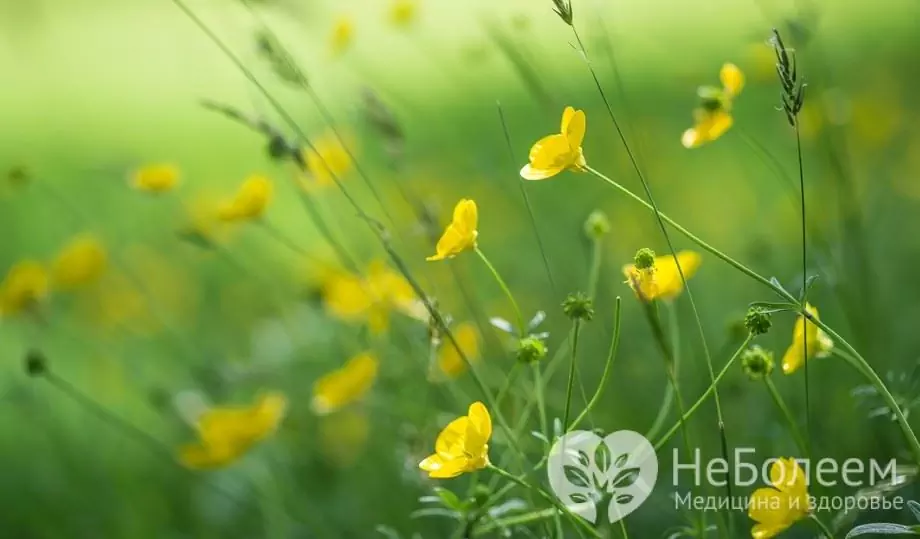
463	445
370	299
26	284
81	262
806	334
327	161
250	200
777	508
158	178
713	117
342	35
449	361
344	386
554	153
226	434
461	233
662	280
403	12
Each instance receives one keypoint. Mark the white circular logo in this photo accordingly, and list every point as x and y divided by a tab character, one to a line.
617	472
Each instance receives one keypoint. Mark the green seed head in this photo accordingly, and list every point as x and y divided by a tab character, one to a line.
757	321
597	225
757	362
644	259
578	306
531	349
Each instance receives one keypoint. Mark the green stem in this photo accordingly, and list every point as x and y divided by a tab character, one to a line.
522	327
595	273
517	520
804	301
828	534
576	326
670	434
503	392
787	415
549	498
608	367
541	404
699	241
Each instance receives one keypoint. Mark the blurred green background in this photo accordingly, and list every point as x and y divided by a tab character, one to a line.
93	89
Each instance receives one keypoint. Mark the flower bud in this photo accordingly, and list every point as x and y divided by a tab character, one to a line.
597	225
757	362
644	259
578	306
757	321
531	349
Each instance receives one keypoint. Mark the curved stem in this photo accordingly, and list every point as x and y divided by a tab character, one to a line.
804	301
611	355
787	415
576	326
828	534
522	327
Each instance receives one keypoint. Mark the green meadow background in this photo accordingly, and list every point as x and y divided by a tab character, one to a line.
92	89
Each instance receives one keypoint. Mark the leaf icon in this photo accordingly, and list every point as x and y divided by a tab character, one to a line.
624	498
602	457
625	478
583	458
621	460
578	498
577	476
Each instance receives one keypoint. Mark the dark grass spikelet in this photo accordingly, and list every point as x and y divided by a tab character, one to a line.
280	61
793	89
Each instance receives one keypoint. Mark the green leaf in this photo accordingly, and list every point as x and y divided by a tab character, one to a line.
579	498
881	528
624	499
621	460
450	500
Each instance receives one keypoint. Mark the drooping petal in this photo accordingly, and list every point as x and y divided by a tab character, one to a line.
481	427
667	275
440	468
732	79
451	243
531	173
346	385
574	127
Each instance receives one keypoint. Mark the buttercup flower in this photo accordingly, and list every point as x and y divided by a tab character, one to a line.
662	280
370	298
461	233
249	202
776	509
344	386
818	343
25	285
403	12
226	434
713	117
342	35
449	361
81	262
326	161
554	153
463	445
158	178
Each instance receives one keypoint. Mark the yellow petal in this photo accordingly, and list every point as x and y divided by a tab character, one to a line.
732	79
531	173
691	138
466	216
461	233
667	276
480	428
80	262
25	284
250	201
346	385
450	362
574	126
439	468
158	178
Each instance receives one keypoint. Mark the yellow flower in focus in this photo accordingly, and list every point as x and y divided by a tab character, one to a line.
81	262
342	35
226	434
449	361
326	161
250	200
343	436
25	285
713	117
463	445
371	298
344	386
403	12
806	333
662	280
461	233
777	508
158	178
554	153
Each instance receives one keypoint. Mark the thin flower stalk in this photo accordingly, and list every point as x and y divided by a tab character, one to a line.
787	416
522	326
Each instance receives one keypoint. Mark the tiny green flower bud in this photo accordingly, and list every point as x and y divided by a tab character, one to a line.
36	364
597	225
531	349
578	306
644	259
757	321
757	362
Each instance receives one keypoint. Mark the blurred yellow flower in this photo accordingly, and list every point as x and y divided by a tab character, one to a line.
554	153
81	262
226	434
461	233
250	201
342	35
157	178
403	12
371	298
25	285
819	343
449	361
713	117
343	436
777	508
327	161
463	445
662	280
346	385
